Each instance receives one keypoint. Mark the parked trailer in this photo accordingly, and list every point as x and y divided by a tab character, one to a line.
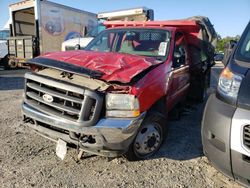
133	14
40	26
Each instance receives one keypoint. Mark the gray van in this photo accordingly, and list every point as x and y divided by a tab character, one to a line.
226	119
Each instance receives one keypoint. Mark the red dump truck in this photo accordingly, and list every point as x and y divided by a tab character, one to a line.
113	97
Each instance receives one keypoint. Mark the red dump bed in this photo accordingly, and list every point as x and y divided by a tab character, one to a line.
198	28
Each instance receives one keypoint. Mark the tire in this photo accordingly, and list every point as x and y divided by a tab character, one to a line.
201	94
148	140
201	90
5	63
12	64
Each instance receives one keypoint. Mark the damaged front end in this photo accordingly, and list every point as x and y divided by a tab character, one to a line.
95	98
65	102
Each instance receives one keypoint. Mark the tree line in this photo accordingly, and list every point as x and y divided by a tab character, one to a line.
223	41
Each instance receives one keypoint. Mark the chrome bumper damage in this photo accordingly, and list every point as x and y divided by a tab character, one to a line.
110	137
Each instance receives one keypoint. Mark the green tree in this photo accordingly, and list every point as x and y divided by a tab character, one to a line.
223	41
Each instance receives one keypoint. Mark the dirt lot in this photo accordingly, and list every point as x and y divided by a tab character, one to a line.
28	160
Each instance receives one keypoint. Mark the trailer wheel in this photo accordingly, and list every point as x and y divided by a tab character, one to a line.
12	64
148	139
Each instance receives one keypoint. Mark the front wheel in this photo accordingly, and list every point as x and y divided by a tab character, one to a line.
148	139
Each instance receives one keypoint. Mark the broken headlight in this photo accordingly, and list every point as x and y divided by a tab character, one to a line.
122	105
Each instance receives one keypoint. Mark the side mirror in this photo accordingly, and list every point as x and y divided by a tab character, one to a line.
228	51
177	55
77	47
232	44
177	61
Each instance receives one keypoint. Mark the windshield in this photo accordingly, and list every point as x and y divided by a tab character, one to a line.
94	32
243	50
4	34
145	42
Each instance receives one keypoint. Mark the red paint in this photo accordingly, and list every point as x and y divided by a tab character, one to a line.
152	87
162	81
168	23
115	66
190	27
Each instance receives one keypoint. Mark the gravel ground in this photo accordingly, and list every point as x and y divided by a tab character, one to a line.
28	160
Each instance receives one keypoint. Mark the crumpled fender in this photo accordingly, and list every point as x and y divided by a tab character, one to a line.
152	86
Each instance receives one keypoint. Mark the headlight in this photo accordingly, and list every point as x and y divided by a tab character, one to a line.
122	105
229	85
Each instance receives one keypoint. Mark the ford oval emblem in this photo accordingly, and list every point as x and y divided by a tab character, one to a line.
47	98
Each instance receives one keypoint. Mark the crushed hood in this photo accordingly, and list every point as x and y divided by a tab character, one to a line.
108	66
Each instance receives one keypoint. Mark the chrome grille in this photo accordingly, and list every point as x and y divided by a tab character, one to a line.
67	101
246	136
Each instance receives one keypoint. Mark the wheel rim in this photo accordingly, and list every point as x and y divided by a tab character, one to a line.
148	140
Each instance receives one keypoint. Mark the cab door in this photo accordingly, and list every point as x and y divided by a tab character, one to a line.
179	79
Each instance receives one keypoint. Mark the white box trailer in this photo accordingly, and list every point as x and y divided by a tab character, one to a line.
132	14
40	26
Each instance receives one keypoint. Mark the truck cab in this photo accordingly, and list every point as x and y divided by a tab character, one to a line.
133	14
113	98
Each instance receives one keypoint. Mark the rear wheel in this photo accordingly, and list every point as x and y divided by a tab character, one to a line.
12	64
201	90
201	94
148	139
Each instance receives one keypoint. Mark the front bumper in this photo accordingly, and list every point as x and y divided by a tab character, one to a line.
216	128
222	138
110	137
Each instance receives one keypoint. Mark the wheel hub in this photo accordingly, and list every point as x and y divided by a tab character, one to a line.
151	142
147	140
